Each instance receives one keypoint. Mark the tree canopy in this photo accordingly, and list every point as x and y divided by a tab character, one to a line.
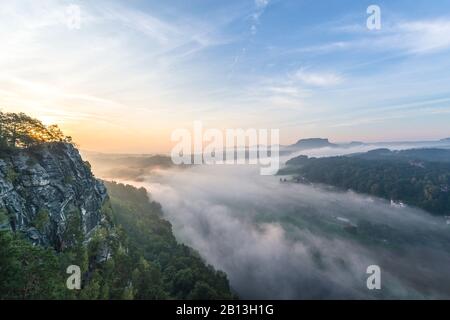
17	130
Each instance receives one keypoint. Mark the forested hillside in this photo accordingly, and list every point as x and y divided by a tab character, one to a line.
401	176
181	273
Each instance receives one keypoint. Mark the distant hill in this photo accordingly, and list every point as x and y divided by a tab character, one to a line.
424	154
312	143
126	166
316	143
417	177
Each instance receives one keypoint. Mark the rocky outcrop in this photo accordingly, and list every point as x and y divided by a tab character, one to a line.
42	187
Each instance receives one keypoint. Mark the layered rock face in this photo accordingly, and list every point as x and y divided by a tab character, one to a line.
43	186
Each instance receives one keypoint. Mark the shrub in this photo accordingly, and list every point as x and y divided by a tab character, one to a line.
41	220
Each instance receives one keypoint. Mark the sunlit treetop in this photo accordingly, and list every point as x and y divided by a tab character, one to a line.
17	130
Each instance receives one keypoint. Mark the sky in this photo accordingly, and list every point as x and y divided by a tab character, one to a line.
131	72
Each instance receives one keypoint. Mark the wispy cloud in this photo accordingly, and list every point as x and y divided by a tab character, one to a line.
319	79
402	37
425	36
260	7
48	61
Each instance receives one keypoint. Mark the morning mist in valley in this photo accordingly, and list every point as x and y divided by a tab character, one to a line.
285	240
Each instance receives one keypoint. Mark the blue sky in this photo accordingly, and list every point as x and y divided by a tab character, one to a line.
136	70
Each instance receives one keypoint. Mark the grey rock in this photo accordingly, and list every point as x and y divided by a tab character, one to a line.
54	178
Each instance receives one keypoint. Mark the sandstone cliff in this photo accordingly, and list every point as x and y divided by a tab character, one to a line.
43	186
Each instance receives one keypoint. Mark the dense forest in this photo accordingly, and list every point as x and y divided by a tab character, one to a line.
400	176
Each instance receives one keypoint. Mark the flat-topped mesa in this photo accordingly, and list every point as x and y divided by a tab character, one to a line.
313	143
45	188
